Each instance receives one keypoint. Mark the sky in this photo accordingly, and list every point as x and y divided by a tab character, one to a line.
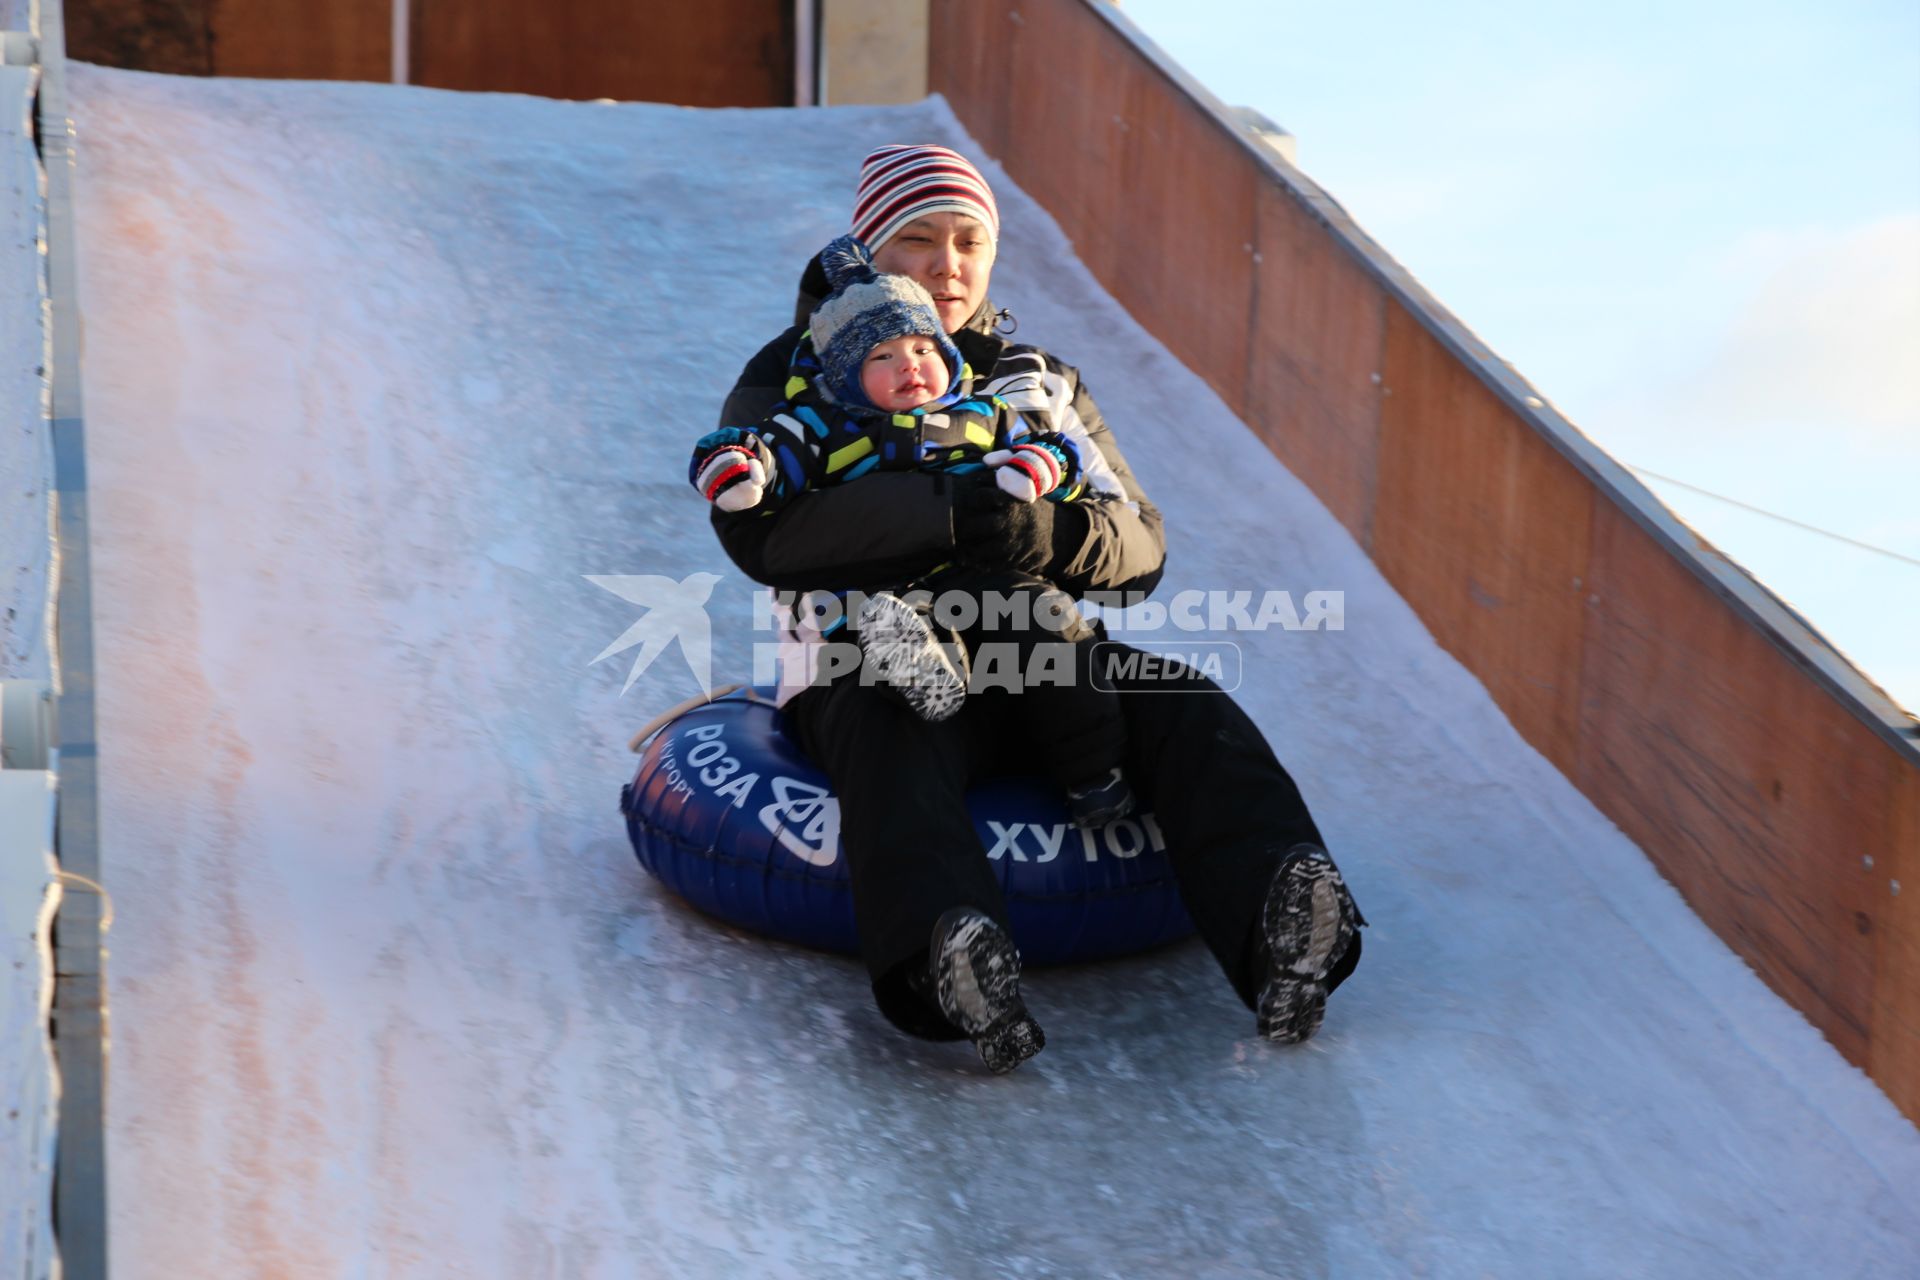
1695	227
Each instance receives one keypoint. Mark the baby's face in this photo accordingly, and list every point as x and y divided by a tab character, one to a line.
903	373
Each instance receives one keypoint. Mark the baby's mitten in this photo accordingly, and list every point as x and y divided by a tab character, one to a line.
732	468
1039	465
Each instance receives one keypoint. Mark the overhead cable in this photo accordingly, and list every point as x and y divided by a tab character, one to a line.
1774	515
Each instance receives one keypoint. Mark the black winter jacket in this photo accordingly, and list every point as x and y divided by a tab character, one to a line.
895	526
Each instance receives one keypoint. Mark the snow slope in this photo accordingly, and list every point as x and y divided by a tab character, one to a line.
375	376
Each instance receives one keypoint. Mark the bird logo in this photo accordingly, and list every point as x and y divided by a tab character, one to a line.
673	610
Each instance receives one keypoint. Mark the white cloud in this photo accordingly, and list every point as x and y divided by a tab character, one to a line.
1830	338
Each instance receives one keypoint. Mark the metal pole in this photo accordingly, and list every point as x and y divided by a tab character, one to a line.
806	56
402	35
80	995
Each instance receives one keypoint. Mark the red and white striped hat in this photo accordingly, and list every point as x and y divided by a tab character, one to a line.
899	183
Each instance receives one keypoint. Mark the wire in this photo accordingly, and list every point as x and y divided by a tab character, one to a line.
1774	515
106	899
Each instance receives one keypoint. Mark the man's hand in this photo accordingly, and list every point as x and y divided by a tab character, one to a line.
997	531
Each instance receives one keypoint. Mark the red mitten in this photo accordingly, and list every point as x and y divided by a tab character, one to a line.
1037	466
735	472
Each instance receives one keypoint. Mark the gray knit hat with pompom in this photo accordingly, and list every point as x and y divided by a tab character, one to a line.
865	309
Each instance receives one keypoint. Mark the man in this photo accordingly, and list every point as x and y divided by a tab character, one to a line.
1249	861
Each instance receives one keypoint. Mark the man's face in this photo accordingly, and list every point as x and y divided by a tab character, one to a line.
950	255
903	373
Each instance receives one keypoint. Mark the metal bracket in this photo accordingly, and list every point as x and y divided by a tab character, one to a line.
26	724
1262	127
19	49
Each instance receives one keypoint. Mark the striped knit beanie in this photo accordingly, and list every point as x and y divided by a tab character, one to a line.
899	183
865	309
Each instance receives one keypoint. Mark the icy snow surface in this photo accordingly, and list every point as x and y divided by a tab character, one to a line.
375	376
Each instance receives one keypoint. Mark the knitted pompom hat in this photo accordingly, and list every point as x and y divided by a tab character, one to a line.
899	183
865	309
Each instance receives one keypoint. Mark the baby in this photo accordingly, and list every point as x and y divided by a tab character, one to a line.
876	384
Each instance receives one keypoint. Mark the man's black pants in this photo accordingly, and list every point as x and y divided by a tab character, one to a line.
1227	807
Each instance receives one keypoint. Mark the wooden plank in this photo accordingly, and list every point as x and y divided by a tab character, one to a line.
1748	780
1166	213
1483	528
1750	788
1158	205
1313	381
174	37
720	53
1053	74
970	67
1179	231
1893	1051
724	53
338	40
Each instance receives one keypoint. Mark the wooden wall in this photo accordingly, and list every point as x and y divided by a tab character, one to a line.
168	36
716	53
1753	787
275	39
719	53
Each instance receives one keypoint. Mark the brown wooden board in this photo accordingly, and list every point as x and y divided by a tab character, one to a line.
1482	527
969	63
337	40
719	53
723	53
1749	783
168	36
1751	789
1314	372
1893	1055
1157	203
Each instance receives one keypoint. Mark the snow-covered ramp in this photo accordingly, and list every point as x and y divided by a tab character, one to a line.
375	377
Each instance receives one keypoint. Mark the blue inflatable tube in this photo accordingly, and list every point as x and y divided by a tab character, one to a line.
728	814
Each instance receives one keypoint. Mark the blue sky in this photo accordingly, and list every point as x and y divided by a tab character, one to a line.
1695	227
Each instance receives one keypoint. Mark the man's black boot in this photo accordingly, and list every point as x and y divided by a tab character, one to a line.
976	977
1308	925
